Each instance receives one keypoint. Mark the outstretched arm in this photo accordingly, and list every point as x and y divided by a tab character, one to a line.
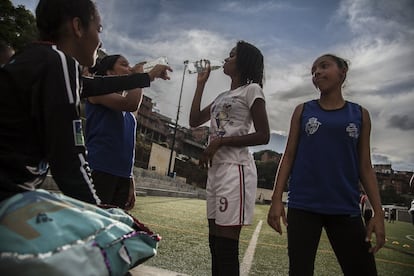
117	101
99	85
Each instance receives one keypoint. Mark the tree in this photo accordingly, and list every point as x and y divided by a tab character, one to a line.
17	25
390	196
142	152
266	172
192	172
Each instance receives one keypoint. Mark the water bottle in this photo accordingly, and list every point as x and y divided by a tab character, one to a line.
201	65
150	64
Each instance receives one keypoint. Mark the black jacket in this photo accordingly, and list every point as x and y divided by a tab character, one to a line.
40	126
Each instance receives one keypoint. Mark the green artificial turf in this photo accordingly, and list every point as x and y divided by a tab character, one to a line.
184	248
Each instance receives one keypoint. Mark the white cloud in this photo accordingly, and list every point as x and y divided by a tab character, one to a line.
190	45
254	7
375	35
381	74
377	16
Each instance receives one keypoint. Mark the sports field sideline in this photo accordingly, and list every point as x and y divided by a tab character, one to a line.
184	247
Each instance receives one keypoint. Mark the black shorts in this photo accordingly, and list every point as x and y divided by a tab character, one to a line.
111	189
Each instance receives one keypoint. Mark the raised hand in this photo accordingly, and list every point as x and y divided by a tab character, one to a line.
160	71
202	77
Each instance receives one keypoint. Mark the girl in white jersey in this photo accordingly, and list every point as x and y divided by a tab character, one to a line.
232	176
327	155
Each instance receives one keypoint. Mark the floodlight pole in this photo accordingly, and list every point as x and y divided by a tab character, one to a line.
176	121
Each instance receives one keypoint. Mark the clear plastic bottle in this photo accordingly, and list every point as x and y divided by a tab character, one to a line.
201	65
150	64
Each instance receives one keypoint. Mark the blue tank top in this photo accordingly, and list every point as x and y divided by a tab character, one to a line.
325	174
110	140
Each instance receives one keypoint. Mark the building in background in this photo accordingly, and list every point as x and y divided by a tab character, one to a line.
155	137
398	180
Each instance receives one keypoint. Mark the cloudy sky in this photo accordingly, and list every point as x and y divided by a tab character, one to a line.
376	36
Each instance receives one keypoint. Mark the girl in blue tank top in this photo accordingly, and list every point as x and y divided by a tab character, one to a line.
327	157
110	136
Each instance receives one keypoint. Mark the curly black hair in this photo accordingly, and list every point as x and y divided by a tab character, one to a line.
52	14
250	63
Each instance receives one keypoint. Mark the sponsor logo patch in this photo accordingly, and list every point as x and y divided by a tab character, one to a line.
78	133
352	130
312	126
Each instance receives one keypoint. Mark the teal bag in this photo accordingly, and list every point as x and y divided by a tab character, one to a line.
44	233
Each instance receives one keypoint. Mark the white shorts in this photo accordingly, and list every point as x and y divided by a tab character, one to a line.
231	193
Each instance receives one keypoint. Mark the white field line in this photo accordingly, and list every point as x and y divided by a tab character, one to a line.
249	254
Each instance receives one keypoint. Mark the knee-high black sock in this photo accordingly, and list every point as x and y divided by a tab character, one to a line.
227	254
212	244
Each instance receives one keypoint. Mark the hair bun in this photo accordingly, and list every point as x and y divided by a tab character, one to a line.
105	64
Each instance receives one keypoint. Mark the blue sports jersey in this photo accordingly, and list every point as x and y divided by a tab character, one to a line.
325	174
110	140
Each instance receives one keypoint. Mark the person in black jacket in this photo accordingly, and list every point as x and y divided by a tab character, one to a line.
6	52
41	86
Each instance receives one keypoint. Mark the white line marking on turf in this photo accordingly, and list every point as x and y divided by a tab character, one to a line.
249	254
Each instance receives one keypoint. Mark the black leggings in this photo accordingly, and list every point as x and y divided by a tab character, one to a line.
346	235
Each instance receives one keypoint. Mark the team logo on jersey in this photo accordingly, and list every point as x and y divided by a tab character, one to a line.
312	126
222	118
78	133
352	130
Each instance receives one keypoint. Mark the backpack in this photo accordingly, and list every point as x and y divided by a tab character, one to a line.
45	233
